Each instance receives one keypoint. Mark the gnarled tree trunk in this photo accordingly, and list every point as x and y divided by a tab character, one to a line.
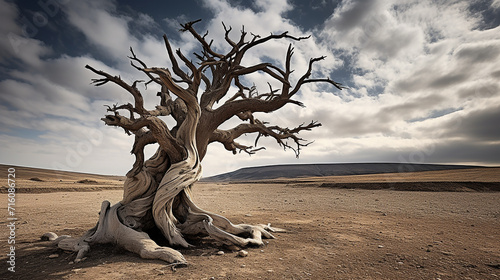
157	190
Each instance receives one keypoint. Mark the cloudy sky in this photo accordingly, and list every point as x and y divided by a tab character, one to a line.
423	78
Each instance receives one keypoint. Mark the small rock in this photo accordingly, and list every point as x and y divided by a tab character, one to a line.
381	246
53	256
248	215
71	262
243	266
220	253
48	236
447	253
242	254
270	270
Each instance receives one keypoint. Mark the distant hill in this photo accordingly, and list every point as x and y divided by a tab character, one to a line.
320	170
24	172
39	180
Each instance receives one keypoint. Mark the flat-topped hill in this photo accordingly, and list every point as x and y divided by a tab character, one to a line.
322	170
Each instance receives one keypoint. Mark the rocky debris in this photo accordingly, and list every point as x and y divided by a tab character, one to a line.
220	253
242	254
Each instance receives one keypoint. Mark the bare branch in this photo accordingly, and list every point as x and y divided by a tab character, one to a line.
226	35
139	101
226	139
304	79
134	58
175	65
281	135
255	42
206	46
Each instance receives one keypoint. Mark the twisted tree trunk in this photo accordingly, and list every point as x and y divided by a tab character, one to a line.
166	205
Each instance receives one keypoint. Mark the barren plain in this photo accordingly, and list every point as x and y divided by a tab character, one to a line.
336	228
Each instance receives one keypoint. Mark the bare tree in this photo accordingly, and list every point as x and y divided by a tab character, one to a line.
157	190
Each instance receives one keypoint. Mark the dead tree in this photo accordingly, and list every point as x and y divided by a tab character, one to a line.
157	190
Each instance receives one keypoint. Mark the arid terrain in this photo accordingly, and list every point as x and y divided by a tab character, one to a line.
339	227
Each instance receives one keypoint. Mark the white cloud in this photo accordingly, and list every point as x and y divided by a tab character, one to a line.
416	68
100	27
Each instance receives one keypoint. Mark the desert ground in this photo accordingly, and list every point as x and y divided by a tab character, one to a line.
335	229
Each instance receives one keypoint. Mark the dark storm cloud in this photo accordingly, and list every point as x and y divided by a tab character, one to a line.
462	152
481	125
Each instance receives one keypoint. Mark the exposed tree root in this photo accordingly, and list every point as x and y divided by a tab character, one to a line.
110	230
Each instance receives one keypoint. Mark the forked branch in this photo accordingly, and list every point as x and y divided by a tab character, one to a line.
281	135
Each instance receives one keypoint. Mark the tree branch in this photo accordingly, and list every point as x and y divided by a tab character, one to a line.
139	101
281	135
304	79
134	58
254	43
206	46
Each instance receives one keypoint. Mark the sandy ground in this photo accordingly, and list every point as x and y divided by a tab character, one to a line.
331	234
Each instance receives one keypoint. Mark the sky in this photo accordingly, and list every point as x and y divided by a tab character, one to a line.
422	78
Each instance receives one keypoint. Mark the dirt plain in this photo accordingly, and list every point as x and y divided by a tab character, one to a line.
334	228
